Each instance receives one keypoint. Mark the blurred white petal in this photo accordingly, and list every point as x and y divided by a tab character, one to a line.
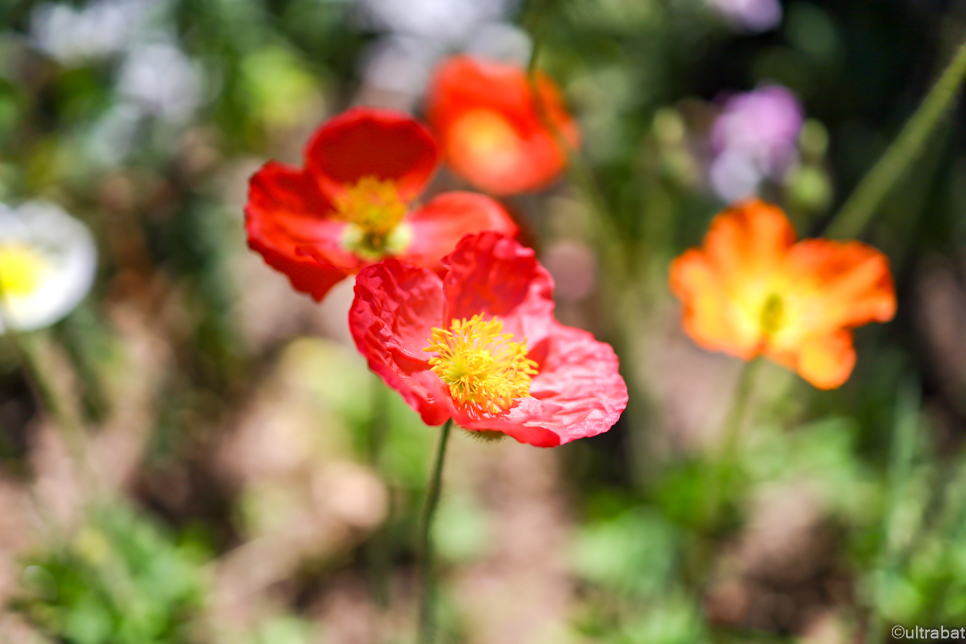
161	80
71	35
449	21
70	258
501	41
735	175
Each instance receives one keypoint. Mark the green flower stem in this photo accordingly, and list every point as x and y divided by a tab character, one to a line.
739	408
901	456
734	422
378	547
608	238
861	205
32	351
28	349
427	609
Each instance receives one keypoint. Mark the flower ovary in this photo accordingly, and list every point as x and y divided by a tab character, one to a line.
374	209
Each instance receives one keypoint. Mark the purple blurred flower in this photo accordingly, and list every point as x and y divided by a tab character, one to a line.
755	137
752	15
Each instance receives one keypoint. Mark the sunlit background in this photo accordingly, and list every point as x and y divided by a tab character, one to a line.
191	452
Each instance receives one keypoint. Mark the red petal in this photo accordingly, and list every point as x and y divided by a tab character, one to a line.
476	106
492	274
366	142
578	393
439	225
285	212
396	306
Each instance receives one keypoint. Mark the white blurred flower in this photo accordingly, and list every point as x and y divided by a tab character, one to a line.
105	27
161	80
47	264
417	33
449	21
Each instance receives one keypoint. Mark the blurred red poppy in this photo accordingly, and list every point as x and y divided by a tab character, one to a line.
481	345
752	290
497	132
352	203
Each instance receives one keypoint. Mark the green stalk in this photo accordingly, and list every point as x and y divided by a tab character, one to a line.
734	422
901	457
862	204
613	252
26	348
427	609
377	550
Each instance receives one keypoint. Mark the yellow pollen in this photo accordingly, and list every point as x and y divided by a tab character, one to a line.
22	269
485	370
373	205
772	314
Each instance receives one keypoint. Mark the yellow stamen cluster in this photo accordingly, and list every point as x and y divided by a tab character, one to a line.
485	370
373	205
22	269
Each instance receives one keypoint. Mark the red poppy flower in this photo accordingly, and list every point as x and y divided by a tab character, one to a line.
493	127
352	203
481	346
752	290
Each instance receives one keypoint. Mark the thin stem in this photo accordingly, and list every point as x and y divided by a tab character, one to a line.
734	422
427	612
608	238
736	415
377	549
861	206
901	456
530	20
25	347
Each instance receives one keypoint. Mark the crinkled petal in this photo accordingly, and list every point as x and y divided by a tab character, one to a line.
578	393
494	129
493	275
286	214
366	142
439	225
395	308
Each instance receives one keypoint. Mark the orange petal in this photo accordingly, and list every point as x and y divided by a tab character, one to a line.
851	279
825	361
709	313
494	128
749	240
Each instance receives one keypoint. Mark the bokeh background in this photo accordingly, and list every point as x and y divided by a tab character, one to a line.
196	454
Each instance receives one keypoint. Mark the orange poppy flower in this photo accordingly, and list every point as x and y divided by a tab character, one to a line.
752	290
494	130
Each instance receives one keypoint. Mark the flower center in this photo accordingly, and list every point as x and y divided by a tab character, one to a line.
484	369
374	210
22	269
772	314
485	138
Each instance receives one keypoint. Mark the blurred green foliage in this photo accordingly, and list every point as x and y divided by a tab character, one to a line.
121	579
